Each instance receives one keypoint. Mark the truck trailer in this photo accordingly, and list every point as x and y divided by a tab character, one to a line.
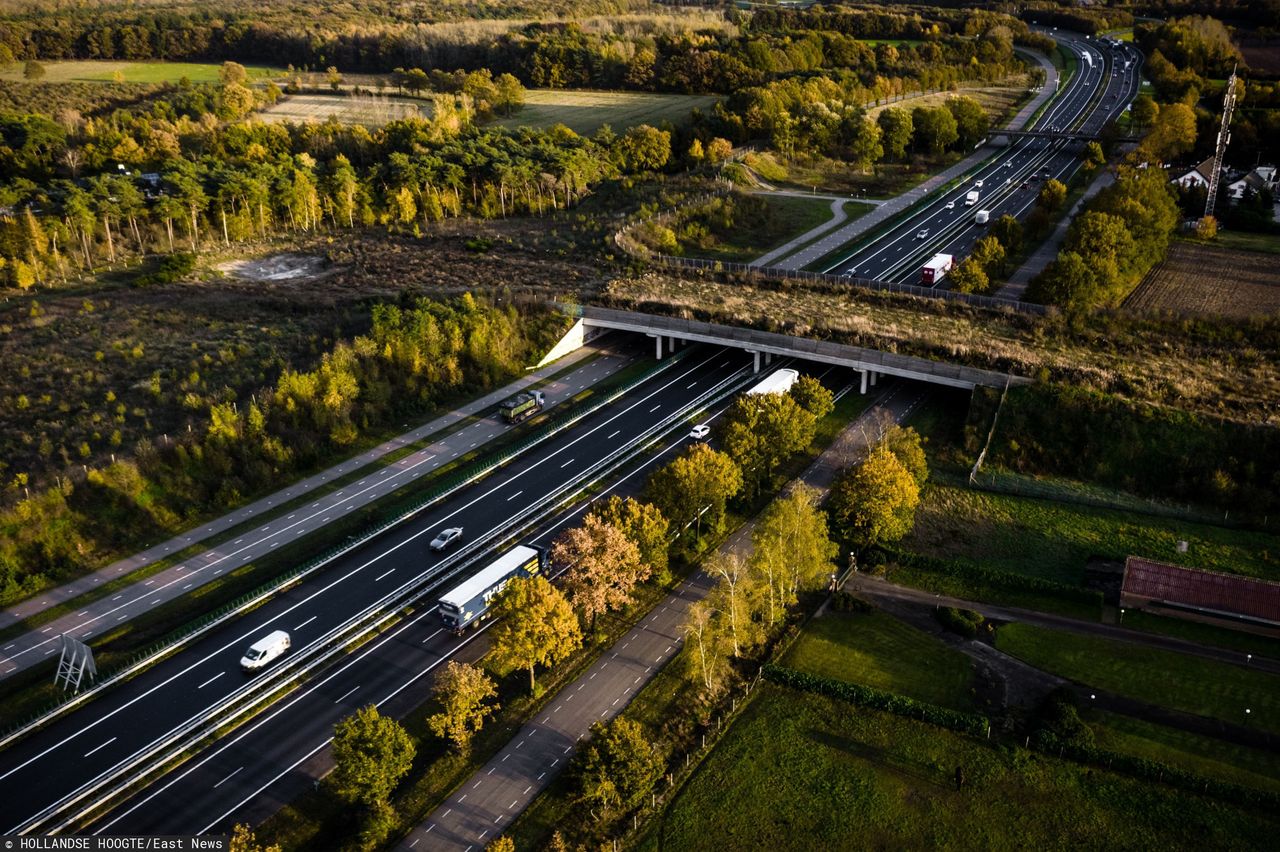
779	381
971	198
469	601
936	269
982	217
522	406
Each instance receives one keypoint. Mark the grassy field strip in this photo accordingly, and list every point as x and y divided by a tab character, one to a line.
1204	755
1054	540
876	649
586	111
800	771
1164	678
367	110
88	71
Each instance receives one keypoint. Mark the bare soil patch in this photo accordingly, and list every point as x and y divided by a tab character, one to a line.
1203	280
277	267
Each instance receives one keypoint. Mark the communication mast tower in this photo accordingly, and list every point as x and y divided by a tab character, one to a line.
1224	137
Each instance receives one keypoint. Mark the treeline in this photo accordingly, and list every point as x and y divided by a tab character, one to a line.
1090	436
556	54
1090	20
417	356
1117	237
68	209
1183	53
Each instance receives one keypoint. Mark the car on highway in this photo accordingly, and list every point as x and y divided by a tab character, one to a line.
446	538
978	183
923	233
266	649
951	205
702	430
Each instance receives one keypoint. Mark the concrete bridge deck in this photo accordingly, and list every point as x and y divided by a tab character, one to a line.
872	363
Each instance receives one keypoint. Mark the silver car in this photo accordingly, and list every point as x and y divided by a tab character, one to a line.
446	538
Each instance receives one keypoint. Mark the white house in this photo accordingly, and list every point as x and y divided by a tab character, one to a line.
1263	177
1199	176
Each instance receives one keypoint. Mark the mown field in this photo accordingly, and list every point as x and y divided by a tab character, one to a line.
367	110
585	112
1164	678
1203	280
1054	540
799	771
132	72
998	101
878	650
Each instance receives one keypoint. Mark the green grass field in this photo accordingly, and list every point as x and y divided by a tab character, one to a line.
1204	755
1205	634
878	650
585	112
1268	243
1168	679
799	771
133	72
790	216
1053	540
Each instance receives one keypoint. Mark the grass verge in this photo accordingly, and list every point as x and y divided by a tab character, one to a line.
800	771
878	650
1163	678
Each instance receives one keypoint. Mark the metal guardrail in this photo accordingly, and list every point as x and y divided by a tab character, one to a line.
251	599
126	774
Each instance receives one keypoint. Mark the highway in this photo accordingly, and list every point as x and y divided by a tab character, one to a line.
1100	91
277	757
44	767
101	616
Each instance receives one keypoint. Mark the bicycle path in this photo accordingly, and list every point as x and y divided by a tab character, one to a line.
103	614
808	253
484	805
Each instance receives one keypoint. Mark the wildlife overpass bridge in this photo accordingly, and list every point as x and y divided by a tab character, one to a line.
667	332
995	136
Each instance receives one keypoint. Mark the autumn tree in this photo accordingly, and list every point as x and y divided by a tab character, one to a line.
908	448
968	276
1094	158
1144	110
644	525
875	500
603	567
32	70
536	626
618	766
811	395
465	694
501	844
232	74
510	93
1172	134
989	254
935	129
1008	231
733	596
644	148
371	753
243	840
896	131
760	431
699	479
1052	195
704	655
718	150
792	550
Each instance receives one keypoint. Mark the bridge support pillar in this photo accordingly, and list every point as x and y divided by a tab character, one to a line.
864	381
874	377
671	345
768	357
657	338
756	368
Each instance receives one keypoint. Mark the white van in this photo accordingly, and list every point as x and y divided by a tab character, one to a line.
266	649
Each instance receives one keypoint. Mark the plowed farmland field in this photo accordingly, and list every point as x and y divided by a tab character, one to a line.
369	110
1208	281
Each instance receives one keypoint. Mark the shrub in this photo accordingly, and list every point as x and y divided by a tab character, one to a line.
849	602
964	622
171	268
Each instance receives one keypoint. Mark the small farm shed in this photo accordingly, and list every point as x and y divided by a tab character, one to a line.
1242	603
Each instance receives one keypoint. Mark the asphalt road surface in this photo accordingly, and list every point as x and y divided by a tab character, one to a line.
100	616
1100	91
42	768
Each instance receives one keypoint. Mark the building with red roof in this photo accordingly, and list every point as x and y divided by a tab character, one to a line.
1229	599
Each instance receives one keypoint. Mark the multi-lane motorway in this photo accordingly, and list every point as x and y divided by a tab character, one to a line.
42	768
1102	88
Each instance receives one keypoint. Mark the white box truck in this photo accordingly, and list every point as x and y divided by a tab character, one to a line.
971	198
982	217
936	269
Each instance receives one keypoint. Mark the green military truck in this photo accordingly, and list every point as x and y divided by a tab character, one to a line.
522	406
